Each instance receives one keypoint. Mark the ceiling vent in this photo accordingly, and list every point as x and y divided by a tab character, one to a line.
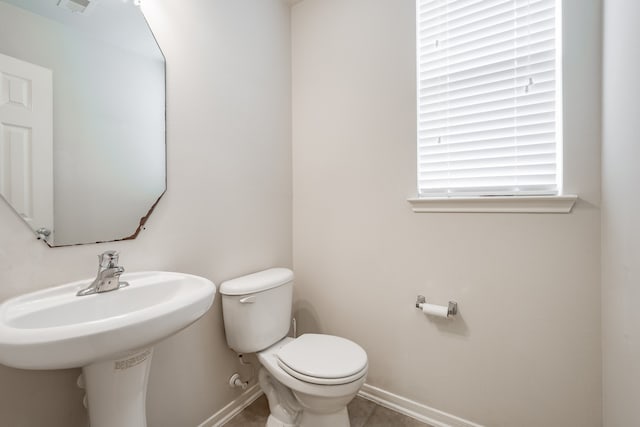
77	6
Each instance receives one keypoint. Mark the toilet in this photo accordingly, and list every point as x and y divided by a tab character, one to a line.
308	380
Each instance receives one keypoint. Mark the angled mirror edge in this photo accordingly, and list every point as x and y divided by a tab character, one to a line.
141	226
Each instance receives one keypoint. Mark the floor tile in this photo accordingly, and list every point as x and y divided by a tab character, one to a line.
359	411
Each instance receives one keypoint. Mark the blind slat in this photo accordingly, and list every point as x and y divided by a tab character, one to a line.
495	73
494	42
497	132
446	39
484	115
476	60
436	112
470	151
517	94
498	83
528	60
486	19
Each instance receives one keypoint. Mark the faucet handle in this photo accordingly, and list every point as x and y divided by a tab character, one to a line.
108	259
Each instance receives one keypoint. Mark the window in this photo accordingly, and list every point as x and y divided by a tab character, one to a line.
488	98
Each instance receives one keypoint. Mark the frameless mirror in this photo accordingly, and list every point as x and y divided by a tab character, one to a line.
82	118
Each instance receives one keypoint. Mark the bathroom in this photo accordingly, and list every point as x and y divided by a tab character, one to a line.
291	142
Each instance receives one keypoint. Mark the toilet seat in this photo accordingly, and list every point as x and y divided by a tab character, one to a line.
323	359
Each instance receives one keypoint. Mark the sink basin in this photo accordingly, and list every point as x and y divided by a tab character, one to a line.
55	329
110	335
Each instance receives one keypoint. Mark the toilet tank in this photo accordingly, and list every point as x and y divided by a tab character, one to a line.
257	309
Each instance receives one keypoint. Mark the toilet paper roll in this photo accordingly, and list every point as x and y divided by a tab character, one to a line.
435	310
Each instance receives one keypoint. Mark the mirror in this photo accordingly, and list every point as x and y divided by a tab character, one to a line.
82	118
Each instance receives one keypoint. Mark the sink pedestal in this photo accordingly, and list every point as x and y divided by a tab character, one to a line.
117	390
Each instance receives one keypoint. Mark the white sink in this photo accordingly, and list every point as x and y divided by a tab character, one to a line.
108	334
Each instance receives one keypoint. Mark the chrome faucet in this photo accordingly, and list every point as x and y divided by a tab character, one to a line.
108	277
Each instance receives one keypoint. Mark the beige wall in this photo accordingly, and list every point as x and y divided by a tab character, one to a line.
227	211
525	349
621	210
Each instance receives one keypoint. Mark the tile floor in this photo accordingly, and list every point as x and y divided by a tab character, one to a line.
362	413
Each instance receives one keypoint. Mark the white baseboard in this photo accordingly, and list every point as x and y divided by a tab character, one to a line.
234	407
384	398
413	409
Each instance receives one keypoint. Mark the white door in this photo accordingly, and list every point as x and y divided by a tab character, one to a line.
26	141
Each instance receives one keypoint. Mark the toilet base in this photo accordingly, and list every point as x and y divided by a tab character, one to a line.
274	422
309	419
337	419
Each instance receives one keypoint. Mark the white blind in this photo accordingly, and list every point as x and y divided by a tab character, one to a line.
487	97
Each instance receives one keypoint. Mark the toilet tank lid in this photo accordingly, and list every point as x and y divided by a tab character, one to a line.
257	282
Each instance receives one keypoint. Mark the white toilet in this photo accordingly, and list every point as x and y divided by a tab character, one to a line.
308	380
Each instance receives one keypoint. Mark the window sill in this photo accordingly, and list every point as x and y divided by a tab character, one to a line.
497	204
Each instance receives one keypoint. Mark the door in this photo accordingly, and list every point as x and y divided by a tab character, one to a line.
26	141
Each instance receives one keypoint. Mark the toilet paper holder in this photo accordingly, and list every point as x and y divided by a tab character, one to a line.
452	308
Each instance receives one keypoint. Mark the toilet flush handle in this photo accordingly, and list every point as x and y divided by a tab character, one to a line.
248	300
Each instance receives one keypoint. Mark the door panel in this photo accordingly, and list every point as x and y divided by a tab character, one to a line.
26	138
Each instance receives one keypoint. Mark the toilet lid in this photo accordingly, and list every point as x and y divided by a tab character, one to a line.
323	359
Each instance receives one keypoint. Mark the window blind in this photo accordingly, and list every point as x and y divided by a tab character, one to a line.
487	97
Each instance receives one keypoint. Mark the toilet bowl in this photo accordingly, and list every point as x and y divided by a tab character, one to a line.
322	392
308	380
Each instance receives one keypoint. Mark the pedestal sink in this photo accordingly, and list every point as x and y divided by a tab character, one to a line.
110	335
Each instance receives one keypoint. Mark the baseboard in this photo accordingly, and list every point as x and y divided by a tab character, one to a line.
413	409
384	398
223	416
